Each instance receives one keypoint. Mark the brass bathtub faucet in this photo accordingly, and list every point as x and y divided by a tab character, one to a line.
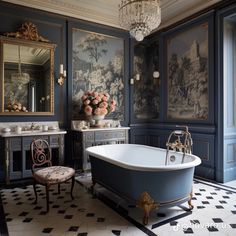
178	145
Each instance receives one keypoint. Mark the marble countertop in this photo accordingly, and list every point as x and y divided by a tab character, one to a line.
32	133
98	129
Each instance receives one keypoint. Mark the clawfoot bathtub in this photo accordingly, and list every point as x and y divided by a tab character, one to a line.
139	174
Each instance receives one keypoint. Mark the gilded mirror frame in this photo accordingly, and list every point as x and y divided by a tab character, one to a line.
27	41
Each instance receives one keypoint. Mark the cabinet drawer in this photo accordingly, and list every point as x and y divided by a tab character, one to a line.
28	140
89	137
55	140
15	144
109	135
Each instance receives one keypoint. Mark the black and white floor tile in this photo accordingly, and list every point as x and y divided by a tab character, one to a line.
214	213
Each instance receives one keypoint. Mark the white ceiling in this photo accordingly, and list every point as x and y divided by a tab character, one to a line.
106	11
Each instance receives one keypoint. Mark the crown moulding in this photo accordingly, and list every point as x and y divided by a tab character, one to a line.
106	12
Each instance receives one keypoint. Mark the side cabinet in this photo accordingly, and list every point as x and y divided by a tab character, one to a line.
18	157
92	137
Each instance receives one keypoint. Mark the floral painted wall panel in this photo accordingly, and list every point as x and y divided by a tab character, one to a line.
187	71
98	64
146	90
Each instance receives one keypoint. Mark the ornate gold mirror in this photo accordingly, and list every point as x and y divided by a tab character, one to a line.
27	67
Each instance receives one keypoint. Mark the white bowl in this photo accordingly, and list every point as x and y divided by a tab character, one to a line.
6	130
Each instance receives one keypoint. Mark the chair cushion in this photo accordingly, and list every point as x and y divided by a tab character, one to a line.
53	174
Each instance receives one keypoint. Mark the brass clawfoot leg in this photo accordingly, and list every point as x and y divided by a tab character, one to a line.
190	201
146	203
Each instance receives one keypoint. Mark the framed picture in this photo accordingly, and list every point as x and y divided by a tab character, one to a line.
97	65
187	73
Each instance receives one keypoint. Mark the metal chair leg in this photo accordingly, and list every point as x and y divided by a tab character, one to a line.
35	192
72	187
47	196
59	188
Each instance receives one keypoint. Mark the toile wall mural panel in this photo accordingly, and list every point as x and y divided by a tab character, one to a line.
187	74
98	65
146	90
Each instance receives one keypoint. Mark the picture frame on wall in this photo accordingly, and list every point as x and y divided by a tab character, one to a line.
97	65
188	71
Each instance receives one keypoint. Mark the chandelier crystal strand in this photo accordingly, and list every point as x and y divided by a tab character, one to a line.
140	17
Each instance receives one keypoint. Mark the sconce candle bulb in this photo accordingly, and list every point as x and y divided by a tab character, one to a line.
62	75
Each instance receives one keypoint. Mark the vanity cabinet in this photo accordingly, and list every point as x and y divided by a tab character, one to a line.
16	150
92	137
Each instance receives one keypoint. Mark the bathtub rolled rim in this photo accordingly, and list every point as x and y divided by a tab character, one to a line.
195	162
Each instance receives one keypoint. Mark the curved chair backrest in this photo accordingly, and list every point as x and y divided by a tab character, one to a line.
40	153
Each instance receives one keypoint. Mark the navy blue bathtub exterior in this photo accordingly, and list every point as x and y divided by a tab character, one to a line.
162	186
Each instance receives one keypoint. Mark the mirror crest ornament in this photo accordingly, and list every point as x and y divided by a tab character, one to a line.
27	73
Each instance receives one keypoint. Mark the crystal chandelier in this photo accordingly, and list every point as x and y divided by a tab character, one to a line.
20	77
140	16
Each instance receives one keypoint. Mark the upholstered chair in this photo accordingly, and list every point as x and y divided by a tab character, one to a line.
44	173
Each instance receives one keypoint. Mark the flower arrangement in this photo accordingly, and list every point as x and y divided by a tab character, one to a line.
100	104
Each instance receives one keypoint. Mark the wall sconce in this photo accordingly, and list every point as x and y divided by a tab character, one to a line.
156	74
62	75
136	77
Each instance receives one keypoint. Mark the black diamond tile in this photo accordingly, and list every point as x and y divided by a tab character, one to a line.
173	223
202	190
223	202
228	192
217	220
82	234
194	198
41	194
219	207
28	195
217	189
23	213
47	230
68	217
55	206
27	220
60	197
73	206
6	214
200	207
188	231
73	228
212	229
30	198
38	208
61	212
116	232
233	226
90	214
209	197
198	194
205	202
8	219
15	195
17	198
213	193
19	203
226	197
234	212
14	191
195	222
100	219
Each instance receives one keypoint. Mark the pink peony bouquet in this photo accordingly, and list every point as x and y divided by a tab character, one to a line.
100	104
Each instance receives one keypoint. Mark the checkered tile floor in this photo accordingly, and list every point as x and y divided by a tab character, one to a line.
214	213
